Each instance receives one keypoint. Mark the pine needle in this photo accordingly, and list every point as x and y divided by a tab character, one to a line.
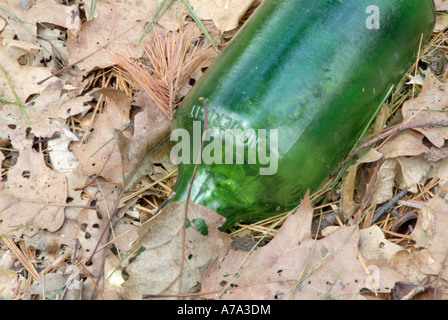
172	59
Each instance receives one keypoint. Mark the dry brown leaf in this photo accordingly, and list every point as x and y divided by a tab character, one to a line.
374	246
406	172
429	254
115	25
385	181
50	11
25	15
18	48
436	154
348	205
409	263
405	144
94	230
47	113
13	12
69	232
2	24
434	96
441	22
8	282
99	153
441	5
417	170
144	149
176	254
226	14
33	197
431	230
23	78
292	265
48	284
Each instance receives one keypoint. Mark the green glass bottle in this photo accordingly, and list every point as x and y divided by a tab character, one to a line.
295	86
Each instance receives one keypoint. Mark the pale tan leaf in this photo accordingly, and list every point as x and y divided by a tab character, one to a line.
407	143
441	22
431	230
434	96
348	205
50	11
139	152
47	113
8	282
226	14
292	265
23	78
176	254
112	27
374	246
410	263
99	153
33	197
417	170
441	5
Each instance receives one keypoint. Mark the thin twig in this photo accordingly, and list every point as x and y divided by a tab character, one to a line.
21	257
388	205
398	128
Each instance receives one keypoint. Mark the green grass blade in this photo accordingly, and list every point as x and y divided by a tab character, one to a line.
200	24
92	9
156	17
16	97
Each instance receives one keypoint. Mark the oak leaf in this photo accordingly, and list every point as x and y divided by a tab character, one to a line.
33	197
291	266
176	254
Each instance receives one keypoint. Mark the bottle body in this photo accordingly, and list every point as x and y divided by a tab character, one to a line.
295	86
